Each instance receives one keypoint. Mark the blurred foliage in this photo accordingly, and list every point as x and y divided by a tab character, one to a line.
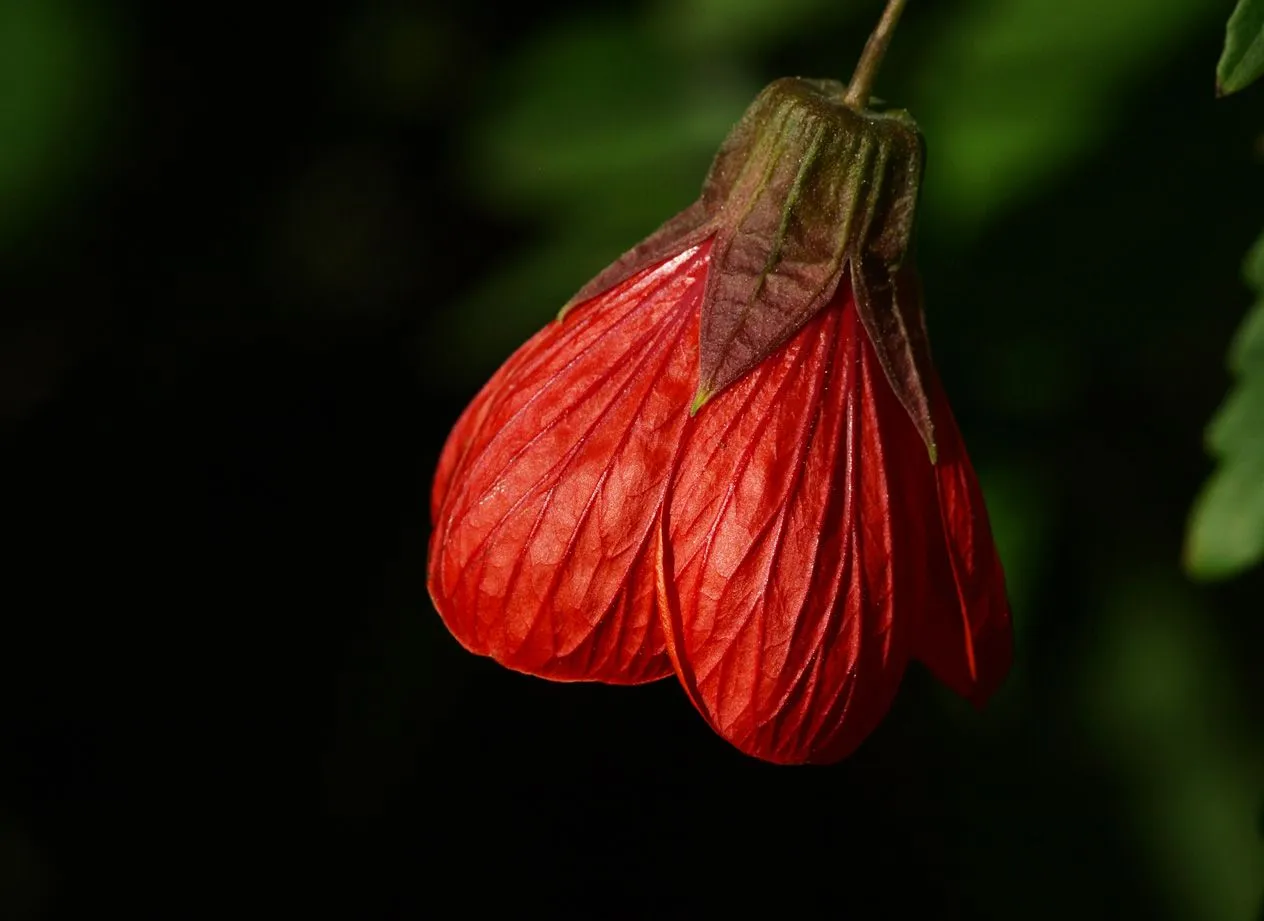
296	247
1155	696
1226	532
55	74
1226	529
1013	94
59	80
1243	58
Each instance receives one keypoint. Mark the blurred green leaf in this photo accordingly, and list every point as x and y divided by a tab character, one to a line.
1226	530
53	74
1010	94
1248	345
1161	700
1242	61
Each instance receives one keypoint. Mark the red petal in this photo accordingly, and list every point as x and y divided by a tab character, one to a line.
541	556
470	423
967	639
792	572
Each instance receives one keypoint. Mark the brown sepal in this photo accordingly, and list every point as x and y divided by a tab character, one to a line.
889	305
804	189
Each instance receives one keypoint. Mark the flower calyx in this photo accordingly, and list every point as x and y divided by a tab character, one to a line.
806	191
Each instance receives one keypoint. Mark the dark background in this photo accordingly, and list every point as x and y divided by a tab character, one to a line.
256	259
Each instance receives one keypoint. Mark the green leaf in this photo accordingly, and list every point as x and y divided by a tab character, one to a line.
1226	530
1242	60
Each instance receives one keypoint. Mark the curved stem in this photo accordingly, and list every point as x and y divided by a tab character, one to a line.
871	58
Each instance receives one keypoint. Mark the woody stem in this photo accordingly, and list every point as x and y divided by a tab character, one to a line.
871	58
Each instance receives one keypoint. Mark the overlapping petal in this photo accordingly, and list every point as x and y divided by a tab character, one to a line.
551	485
795	538
966	638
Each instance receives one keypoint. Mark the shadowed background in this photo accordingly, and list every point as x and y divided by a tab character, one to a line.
255	264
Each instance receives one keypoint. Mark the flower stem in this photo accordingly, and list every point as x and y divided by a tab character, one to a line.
871	58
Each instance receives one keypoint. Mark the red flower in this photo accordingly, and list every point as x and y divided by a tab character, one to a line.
732	458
